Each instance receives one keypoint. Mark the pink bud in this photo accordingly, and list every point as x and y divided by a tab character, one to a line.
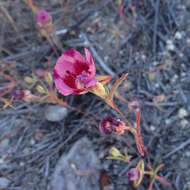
43	17
133	174
109	125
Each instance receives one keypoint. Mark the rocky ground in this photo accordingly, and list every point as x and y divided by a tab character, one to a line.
44	146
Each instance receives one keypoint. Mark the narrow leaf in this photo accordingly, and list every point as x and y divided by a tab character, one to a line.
140	166
138	122
163	180
138	138
115	86
104	79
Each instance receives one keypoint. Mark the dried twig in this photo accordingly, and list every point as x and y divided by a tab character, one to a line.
99	59
177	149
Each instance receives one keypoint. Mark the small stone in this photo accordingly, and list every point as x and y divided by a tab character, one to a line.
55	113
4	144
78	169
169	42
181	55
188	184
155	63
143	57
170	47
178	35
32	141
157	85
152	128
2	161
4	182
168	121
188	40
182	113
184	122
183	74
21	163
183	164
174	78
187	153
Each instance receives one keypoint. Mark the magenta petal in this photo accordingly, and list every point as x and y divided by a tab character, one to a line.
75	55
63	65
70	67
90	61
61	86
43	17
71	61
91	83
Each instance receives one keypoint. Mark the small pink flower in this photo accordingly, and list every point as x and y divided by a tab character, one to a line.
24	95
73	74
133	106
18	94
43	17
133	174
109	125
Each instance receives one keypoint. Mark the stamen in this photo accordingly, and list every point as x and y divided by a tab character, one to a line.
81	78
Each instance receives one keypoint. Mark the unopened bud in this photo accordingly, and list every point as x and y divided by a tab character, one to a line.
28	80
114	152
40	89
133	174
48	78
109	125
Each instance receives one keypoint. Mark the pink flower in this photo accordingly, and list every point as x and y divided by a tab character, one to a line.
24	95
43	17
133	174
73	74
109	125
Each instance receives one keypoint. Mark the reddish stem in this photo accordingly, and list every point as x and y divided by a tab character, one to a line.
122	115
138	122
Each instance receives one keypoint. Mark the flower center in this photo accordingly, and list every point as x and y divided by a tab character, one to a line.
81	79
43	17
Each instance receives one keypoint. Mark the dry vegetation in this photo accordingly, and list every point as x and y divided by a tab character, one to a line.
150	41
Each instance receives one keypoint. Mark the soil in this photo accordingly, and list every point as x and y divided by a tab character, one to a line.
147	39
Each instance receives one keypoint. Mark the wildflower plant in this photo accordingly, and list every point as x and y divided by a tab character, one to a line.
74	74
46	28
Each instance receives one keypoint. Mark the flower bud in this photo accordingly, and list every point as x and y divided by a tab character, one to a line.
29	80
133	174
48	78
40	89
109	125
114	152
43	17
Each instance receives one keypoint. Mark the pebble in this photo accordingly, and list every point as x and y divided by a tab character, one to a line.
4	182
4	144
187	153
184	123
170	47
183	164
178	35
55	113
182	113
78	169
152	128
